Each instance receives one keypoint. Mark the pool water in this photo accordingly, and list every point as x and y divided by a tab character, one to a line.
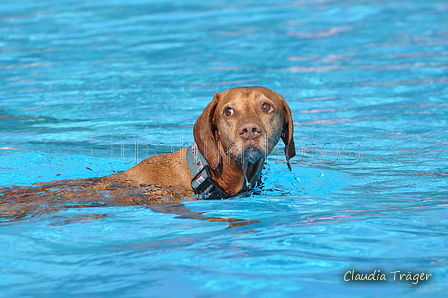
92	87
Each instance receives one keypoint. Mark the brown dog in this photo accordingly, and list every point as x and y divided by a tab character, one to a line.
233	136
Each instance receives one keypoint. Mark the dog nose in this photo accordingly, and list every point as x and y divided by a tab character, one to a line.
249	130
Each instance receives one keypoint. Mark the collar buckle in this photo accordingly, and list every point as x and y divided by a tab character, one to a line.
204	186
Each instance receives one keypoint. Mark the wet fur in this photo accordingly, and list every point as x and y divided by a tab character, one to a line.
166	179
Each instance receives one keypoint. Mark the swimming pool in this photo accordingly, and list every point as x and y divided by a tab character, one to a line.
89	88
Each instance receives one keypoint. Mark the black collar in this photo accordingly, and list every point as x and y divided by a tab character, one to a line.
203	183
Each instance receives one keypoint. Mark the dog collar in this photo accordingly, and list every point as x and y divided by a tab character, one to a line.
202	182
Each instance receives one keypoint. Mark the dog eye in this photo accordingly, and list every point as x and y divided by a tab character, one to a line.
228	112
265	107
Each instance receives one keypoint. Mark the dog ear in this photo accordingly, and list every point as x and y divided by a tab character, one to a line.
204	134
288	134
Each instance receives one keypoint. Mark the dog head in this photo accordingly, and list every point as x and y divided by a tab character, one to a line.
244	124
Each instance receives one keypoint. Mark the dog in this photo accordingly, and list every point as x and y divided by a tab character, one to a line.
232	139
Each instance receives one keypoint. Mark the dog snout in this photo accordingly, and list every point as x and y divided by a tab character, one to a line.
249	130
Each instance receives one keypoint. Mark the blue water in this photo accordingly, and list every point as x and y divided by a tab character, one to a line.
89	88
